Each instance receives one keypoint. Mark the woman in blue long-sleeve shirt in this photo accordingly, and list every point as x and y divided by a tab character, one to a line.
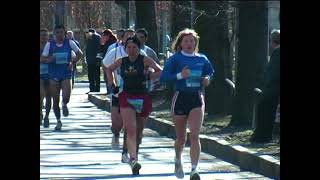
191	72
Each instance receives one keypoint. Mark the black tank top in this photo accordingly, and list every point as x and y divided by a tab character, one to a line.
133	75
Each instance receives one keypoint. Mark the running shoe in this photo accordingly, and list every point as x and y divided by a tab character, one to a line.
194	175
58	126
41	118
115	142
46	122
125	158
178	169
135	167
65	110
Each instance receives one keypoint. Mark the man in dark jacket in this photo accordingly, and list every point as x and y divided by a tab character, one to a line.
92	49
267	106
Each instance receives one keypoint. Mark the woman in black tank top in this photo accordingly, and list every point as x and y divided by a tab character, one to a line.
135	104
133	75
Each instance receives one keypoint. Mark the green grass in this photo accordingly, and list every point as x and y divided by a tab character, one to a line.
218	126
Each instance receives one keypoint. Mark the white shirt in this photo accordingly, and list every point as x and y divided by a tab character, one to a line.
113	46
188	54
150	53
73	46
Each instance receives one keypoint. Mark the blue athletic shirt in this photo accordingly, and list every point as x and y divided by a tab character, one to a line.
199	66
58	68
44	69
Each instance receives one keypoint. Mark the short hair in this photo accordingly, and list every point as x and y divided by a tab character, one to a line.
108	32
44	30
129	30
91	30
176	43
59	27
143	31
120	32
275	36
134	40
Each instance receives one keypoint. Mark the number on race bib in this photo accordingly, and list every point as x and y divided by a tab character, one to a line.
194	79
61	58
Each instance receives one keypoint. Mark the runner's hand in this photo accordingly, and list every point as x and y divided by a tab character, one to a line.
205	81
185	72
70	66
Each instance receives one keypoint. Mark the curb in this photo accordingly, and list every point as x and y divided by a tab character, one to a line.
100	103
246	159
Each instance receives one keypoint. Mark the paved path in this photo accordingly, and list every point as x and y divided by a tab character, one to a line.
82	150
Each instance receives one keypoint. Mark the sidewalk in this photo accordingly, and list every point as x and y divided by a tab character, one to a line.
82	150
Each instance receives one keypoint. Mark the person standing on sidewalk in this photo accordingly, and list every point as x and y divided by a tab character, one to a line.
142	35
120	35
267	107
92	49
58	54
107	39
44	81
135	104
191	72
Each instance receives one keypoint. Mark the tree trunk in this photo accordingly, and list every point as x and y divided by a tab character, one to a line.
82	46
59	15
180	19
181	16
146	18
214	43
253	53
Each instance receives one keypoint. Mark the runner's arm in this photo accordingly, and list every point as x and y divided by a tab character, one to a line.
45	57
77	50
110	69
207	73
157	68
168	73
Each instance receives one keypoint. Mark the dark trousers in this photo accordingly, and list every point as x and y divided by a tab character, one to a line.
266	114
94	77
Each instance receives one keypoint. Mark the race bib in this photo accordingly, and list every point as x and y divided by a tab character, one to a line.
44	69
61	58
194	79
136	103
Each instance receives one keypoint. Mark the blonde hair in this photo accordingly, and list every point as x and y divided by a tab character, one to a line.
176	43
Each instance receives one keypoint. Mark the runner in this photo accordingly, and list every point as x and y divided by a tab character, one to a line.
44	81
142	35
74	69
58	52
191	72
106	40
116	119
135	104
120	35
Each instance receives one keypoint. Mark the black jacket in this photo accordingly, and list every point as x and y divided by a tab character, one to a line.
271	83
92	48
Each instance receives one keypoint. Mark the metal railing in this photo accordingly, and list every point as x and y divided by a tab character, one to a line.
256	98
257	93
